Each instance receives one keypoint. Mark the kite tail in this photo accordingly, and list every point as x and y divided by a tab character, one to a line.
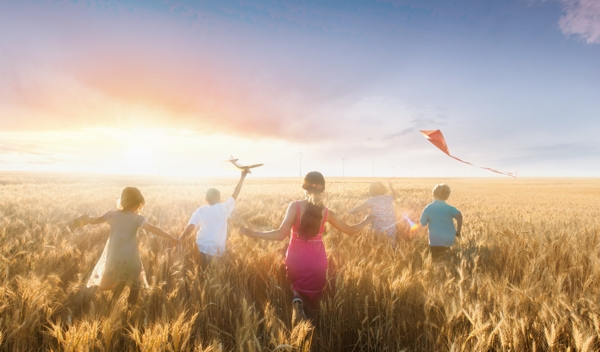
462	161
437	138
500	172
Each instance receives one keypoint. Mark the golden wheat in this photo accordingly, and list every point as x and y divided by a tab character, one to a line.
525	275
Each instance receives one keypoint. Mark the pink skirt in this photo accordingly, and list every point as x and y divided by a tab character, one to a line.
306	265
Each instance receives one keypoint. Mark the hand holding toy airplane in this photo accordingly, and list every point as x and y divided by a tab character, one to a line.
242	167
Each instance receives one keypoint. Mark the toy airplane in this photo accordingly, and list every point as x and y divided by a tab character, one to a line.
242	167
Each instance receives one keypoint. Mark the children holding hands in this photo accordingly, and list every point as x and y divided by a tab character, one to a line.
306	259
120	264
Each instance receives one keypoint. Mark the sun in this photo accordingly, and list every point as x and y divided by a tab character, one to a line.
139	160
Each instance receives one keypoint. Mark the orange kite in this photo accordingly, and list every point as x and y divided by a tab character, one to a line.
437	138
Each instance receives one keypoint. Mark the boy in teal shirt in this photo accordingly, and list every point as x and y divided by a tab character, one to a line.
440	216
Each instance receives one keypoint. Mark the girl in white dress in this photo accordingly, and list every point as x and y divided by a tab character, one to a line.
382	206
120	263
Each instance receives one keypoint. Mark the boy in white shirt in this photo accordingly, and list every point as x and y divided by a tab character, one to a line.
212	220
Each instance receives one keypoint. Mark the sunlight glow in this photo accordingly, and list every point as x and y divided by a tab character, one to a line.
413	226
139	160
143	151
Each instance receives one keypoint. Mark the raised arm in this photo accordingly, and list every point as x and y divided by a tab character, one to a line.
459	221
276	235
392	190
238	188
360	208
339	224
157	231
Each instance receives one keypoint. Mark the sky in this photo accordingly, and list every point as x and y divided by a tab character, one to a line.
174	87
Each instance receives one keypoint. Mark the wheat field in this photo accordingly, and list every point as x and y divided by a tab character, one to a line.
525	275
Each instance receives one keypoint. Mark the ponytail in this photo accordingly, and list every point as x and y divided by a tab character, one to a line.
310	223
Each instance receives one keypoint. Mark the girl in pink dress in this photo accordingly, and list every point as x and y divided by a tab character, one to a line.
306	258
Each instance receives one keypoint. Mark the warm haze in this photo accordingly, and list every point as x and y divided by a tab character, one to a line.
524	275
97	95
174	87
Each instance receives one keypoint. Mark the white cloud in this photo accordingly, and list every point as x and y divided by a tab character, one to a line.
581	18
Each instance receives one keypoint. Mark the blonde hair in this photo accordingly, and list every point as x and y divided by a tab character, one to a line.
441	191
131	198
213	196
377	189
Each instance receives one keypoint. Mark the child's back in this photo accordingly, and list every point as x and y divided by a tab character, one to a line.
123	261
439	216
120	263
383	209
212	220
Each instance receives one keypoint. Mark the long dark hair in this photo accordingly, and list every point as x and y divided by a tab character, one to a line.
310	223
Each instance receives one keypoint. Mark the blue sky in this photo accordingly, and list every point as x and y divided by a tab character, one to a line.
180	85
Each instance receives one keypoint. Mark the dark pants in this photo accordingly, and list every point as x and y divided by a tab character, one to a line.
438	253
133	293
206	260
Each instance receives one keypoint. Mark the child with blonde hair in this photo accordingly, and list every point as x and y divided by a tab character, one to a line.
382	207
211	221
120	264
439	217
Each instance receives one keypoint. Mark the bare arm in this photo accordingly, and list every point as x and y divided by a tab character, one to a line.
238	188
360	208
276	235
392	190
459	221
86	220
339	224
157	231
188	230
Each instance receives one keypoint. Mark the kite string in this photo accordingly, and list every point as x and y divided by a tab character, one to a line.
511	174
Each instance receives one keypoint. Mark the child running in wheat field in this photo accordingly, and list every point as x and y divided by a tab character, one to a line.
306	258
382	207
120	264
439	217
211	221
